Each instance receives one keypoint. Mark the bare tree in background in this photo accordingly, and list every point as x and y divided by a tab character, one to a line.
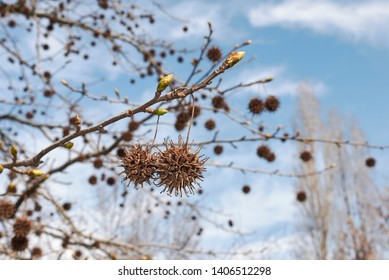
344	210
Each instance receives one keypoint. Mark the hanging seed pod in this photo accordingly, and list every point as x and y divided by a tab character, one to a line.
139	165
305	156
370	162
256	106
272	103
179	169
19	243
22	227
301	196
6	210
214	54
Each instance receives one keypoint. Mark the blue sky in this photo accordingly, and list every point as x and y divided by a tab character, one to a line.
340	46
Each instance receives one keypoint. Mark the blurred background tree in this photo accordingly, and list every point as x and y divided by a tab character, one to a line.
345	212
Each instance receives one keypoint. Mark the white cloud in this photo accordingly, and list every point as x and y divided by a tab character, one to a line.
359	20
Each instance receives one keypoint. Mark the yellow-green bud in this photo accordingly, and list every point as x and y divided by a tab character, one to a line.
1	169
68	145
11	187
233	59
164	82
14	151
160	112
34	173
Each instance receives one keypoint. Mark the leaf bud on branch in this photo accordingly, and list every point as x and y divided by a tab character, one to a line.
14	151
35	172
232	59
163	84
68	145
160	112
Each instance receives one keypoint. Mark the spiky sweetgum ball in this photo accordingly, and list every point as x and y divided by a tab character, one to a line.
179	125
214	54
370	162
271	157
139	165
218	102
305	156
183	117
256	106
133	125
272	103
36	252
301	196
246	189
179	170
218	149
22	226
19	243
67	206
6	210
196	110
210	124
263	151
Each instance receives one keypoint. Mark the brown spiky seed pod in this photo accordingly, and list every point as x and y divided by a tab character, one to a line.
120	152
218	102
92	180
263	151
98	163
133	125
183	117
127	136
246	189
179	126
197	110
218	149
139	165
370	162
48	92
22	226
6	210
305	156
256	106
210	124
301	196
36	252
272	103
214	54
179	169
67	206
19	243
271	157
